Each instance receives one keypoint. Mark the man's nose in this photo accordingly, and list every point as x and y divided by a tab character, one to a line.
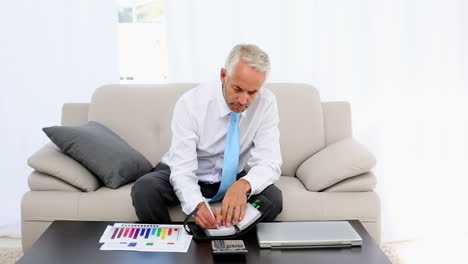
243	99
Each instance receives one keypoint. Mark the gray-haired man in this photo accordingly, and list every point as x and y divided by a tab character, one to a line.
217	129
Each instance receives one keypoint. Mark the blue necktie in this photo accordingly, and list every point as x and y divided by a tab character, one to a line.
231	158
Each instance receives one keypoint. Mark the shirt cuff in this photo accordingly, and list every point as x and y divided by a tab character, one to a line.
259	183
191	203
254	184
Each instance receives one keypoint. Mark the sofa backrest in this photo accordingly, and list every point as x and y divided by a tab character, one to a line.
301	123
141	114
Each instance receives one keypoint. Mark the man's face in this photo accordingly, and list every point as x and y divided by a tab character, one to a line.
241	89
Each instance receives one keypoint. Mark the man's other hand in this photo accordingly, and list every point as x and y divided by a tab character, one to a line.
234	203
204	219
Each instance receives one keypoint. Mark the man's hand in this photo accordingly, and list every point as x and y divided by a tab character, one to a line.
204	219
234	202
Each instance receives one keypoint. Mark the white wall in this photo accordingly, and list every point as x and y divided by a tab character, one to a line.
402	64
51	52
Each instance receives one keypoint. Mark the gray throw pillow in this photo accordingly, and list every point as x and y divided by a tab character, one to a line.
101	151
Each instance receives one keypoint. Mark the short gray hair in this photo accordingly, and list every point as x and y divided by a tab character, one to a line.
251	54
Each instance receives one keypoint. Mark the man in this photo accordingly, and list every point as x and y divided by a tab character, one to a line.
218	128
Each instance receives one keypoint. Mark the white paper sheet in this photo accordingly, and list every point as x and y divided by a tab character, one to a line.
145	237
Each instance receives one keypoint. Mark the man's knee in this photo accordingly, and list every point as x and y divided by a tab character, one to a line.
147	187
275	197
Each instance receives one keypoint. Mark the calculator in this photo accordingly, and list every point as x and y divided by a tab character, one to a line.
225	247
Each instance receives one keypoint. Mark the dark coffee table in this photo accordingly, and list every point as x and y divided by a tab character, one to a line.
77	242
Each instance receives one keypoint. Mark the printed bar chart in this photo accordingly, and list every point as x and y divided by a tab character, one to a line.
145	237
126	233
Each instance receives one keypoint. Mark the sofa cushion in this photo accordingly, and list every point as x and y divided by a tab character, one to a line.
365	182
299	204
101	151
338	161
52	161
38	181
116	204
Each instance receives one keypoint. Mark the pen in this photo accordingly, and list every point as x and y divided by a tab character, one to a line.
209	208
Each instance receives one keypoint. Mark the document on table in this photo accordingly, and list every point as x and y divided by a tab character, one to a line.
145	237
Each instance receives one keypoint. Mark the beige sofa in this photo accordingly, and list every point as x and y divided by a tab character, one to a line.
325	173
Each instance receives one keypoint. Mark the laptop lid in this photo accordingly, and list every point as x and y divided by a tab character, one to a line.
307	234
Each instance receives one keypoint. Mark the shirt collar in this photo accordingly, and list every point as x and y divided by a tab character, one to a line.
224	109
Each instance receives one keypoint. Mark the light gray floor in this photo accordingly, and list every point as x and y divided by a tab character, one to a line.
6	242
10	250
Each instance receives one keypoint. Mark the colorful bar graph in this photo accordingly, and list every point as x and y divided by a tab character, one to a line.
120	232
136	233
145	237
115	233
146	233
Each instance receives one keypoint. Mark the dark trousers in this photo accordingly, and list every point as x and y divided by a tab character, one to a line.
152	194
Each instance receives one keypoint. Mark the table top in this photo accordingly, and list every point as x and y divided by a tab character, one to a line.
55	246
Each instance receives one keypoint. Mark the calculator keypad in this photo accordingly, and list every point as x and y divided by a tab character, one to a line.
228	246
229	243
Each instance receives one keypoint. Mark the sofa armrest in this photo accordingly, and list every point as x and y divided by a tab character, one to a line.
52	161
338	161
39	181
365	182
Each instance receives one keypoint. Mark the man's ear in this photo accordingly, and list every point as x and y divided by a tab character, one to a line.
222	75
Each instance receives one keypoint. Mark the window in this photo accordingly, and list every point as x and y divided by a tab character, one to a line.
142	41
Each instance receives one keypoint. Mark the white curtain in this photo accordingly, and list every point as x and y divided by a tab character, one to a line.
401	63
51	52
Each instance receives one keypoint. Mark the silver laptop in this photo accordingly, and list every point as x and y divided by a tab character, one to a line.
307	234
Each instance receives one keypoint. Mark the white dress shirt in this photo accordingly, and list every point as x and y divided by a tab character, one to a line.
199	127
